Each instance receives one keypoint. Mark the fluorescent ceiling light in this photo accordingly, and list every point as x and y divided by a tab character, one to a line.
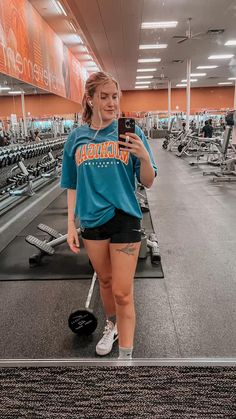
146	69
93	69
73	26
206	67
90	64
15	92
85	57
142	82
5	88
181	85
153	25
82	48
149	60
144	77
142	87
232	78
59	7
220	57
198	74
226	82
231	42
78	39
192	80
153	46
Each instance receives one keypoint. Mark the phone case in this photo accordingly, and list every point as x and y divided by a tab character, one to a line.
125	125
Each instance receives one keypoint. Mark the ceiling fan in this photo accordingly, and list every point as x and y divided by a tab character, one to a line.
159	80
162	75
189	34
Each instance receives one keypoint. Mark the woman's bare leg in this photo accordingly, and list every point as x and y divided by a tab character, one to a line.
124	257
99	254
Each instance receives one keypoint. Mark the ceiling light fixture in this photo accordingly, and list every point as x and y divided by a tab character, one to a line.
232	78
225	82
90	64
93	69
5	88
181	85
154	25
15	92
142	82
153	46
83	48
59	7
73	26
191	80
142	87
85	57
206	67
231	42
220	57
198	74
146	69
149	60
144	77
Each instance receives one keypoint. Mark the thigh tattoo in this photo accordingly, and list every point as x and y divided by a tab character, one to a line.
129	249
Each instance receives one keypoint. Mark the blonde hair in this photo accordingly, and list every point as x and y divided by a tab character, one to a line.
95	80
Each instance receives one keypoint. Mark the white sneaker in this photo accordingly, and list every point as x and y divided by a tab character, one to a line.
110	335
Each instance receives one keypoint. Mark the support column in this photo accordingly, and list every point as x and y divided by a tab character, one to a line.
188	93
235	95
234	127
23	113
169	104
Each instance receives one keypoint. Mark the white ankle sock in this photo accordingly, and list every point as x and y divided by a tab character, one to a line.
125	353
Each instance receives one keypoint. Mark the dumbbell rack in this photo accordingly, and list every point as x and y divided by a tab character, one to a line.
25	183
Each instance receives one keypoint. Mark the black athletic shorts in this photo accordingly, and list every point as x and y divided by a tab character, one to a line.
122	228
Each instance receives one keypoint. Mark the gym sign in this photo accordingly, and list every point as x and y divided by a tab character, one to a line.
32	52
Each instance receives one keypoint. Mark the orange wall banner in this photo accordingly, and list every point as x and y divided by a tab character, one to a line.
32	52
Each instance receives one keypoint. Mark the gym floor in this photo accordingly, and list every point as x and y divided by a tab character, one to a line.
188	314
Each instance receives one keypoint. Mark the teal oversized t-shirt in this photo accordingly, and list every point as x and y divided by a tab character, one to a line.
102	174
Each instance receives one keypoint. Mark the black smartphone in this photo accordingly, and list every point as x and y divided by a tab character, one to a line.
125	125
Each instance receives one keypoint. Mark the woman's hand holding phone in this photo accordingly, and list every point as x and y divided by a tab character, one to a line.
134	145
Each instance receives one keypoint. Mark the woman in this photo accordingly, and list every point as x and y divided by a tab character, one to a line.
100	179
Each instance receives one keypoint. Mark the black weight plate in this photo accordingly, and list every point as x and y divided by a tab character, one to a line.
82	322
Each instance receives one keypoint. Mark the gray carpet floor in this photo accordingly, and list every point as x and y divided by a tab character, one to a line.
118	392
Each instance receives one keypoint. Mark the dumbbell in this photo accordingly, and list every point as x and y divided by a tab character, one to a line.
18	155
32	170
13	180
12	183
5	191
3	161
25	154
155	250
10	159
30	153
20	178
144	207
143	248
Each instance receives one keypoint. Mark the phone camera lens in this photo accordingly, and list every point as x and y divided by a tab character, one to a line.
127	123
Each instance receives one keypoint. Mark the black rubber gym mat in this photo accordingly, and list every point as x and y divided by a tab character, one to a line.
63	264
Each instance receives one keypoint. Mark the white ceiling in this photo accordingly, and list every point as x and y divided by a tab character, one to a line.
112	29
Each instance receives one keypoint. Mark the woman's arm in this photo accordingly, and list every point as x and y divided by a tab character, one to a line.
138	149
71	198
147	173
72	237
